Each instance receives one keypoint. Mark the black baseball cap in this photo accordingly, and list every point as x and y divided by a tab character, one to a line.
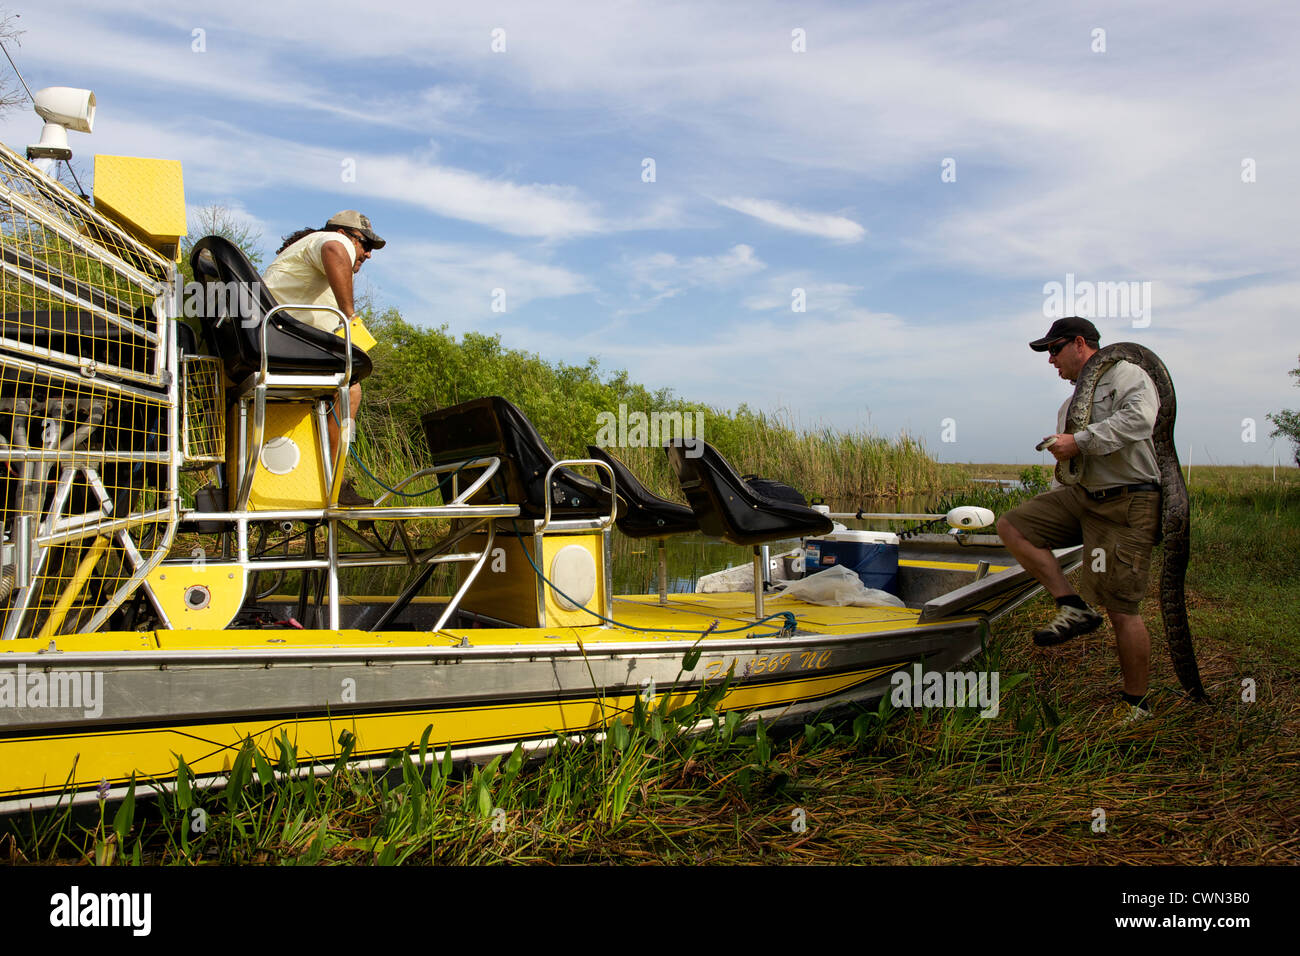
1067	328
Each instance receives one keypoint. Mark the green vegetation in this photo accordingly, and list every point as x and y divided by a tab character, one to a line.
1288	423
219	220
1242	577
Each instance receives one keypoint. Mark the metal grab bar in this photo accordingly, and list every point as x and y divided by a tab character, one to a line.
491	465
252	450
613	491
343	323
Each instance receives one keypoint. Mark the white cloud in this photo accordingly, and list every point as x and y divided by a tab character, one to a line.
661	271
456	283
819	295
656	277
520	209
229	68
227	160
797	220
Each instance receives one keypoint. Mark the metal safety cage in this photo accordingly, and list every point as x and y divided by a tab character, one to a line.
77	290
88	408
203	412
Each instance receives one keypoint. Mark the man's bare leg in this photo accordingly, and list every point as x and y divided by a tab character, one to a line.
1133	643
332	424
1040	562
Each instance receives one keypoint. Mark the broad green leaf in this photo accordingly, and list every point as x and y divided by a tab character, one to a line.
265	775
240	774
288	753
125	815
516	761
618	735
424	743
184	797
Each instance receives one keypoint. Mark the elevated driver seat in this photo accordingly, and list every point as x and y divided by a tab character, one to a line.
234	333
286	389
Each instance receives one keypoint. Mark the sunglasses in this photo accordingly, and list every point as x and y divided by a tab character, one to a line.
366	244
1055	348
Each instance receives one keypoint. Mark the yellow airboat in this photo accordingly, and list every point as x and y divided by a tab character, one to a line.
127	596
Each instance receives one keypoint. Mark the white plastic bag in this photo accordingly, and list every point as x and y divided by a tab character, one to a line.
839	587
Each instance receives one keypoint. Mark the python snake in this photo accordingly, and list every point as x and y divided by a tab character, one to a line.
1174	505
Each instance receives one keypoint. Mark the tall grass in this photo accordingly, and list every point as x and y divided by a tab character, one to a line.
418	370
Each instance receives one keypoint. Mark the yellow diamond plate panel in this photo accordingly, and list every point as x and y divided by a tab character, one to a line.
288	470
145	195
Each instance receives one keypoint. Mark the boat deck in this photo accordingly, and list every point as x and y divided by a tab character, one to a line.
684	618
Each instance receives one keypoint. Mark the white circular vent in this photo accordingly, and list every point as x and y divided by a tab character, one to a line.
280	455
573	571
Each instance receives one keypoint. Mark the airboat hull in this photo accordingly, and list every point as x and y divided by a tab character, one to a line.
201	695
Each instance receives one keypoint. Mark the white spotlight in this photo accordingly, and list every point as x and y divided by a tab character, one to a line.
63	108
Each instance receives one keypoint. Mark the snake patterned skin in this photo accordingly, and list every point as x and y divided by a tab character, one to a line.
1174	505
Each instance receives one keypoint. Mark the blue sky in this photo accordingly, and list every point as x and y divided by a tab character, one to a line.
774	170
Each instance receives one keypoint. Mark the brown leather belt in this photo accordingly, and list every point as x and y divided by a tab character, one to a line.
1107	493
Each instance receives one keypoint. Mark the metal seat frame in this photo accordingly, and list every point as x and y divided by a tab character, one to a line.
253	394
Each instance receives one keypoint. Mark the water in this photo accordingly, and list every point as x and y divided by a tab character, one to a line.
1006	484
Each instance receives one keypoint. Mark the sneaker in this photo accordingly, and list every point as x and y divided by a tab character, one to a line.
1069	622
1127	713
349	497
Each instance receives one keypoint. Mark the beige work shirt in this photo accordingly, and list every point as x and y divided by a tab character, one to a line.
1117	448
297	277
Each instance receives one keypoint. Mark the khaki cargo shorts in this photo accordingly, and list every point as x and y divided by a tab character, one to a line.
1117	537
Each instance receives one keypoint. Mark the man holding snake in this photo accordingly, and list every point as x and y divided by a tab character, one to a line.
1114	509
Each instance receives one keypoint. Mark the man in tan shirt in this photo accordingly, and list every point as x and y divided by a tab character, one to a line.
315	267
1114	510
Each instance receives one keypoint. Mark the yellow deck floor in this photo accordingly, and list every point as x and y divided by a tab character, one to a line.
687	615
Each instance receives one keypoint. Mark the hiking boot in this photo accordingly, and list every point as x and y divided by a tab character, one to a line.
1069	622
349	497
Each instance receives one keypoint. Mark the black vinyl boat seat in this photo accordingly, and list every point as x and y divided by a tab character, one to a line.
293	347
493	427
727	507
642	513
